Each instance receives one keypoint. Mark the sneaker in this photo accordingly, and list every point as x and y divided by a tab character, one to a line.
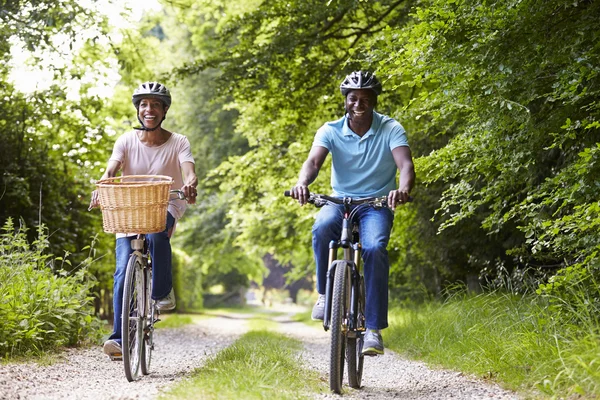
318	311
373	343
166	303
112	348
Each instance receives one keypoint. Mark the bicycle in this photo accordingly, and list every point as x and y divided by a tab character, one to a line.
138	207
345	293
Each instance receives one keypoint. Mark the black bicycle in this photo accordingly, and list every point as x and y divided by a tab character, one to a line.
345	293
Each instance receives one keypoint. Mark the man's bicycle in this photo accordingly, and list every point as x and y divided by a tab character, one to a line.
133	206
345	293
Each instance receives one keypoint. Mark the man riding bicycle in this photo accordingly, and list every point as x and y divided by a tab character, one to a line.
367	149
150	150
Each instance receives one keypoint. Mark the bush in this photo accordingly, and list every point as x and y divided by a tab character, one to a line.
40	308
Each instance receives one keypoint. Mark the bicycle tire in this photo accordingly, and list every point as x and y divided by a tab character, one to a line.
354	355
148	323
339	311
355	361
131	320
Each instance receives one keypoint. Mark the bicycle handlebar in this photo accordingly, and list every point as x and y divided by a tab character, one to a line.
179	194
319	200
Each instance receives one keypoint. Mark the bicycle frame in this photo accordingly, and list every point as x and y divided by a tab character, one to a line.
349	242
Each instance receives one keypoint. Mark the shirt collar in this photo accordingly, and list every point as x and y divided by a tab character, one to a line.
346	131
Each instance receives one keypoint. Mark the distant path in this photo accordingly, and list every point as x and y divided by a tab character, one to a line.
89	374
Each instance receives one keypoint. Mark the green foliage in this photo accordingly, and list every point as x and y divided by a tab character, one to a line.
501	114
40	308
573	295
517	341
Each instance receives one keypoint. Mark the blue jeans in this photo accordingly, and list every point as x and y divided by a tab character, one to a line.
159	245
375	226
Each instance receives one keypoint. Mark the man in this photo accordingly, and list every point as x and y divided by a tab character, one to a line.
150	150
367	149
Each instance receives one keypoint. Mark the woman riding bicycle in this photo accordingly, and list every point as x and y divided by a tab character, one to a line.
150	150
367	150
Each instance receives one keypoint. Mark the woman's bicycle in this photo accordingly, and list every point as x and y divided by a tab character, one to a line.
136	204
345	293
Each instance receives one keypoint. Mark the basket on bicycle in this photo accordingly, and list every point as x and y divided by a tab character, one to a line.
134	203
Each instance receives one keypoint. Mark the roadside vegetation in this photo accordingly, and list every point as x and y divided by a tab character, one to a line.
41	306
538	345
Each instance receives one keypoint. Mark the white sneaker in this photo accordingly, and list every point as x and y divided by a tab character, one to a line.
112	348
166	303
318	311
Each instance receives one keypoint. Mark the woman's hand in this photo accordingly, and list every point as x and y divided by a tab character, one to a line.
95	200
190	193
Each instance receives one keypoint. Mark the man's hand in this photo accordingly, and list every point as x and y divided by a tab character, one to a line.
399	196
190	193
300	192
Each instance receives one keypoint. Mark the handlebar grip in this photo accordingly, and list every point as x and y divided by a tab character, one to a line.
287	193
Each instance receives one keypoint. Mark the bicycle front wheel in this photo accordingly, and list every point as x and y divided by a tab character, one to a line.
132	317
339	325
355	344
149	317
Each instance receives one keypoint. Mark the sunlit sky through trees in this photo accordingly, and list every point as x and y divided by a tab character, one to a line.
29	76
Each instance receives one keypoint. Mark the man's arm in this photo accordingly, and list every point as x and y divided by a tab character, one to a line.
190	181
403	158
308	173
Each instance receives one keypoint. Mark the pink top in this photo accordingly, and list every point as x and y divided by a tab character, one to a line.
138	159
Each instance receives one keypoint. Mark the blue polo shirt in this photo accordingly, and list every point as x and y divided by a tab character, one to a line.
362	166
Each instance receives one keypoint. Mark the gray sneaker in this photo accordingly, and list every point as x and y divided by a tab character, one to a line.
373	343
166	303
112	348
318	311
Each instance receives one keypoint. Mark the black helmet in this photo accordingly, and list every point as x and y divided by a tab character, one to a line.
151	89
360	80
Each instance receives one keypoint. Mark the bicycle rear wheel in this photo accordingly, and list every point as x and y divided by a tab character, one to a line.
149	316
355	345
131	317
339	312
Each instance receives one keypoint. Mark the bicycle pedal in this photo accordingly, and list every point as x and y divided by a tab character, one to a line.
116	357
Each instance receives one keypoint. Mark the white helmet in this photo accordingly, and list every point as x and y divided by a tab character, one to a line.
151	89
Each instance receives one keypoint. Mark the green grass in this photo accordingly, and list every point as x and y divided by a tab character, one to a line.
259	365
176	320
510	339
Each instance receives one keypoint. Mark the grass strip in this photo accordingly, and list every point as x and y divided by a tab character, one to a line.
513	340
259	365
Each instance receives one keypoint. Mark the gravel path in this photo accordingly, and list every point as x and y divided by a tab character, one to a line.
390	376
88	374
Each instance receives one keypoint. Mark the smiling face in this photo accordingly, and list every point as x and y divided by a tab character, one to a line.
151	112
360	104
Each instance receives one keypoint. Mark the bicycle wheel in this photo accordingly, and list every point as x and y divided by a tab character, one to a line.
149	315
339	311
131	318
355	345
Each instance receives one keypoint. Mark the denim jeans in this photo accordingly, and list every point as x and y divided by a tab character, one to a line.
375	226
159	245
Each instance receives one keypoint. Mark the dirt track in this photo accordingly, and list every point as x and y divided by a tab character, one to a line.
88	374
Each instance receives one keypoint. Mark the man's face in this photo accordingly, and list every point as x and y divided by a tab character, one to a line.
360	104
151	112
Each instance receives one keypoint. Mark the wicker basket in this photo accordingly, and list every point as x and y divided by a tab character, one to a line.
134	203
